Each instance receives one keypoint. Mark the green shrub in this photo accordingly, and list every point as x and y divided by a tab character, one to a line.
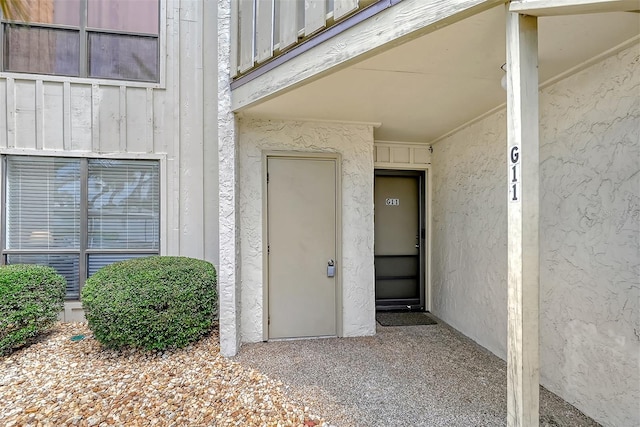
31	296
152	303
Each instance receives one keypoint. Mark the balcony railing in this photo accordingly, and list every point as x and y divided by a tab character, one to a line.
265	29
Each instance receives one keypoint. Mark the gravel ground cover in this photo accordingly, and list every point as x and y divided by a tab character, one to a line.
60	382
403	376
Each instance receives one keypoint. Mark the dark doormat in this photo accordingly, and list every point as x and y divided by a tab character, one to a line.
404	318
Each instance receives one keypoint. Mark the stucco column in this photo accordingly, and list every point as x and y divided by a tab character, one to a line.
228	270
523	169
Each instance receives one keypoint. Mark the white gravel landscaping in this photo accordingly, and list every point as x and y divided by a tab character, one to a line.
60	382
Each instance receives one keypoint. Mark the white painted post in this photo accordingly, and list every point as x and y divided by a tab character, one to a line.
523	221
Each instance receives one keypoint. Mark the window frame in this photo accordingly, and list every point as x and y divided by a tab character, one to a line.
84	30
83	251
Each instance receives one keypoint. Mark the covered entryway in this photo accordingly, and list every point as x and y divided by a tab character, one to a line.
302	219
443	88
399	239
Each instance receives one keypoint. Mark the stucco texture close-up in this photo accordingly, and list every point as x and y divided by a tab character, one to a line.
589	227
354	142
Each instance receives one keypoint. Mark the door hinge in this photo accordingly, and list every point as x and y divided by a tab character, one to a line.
268	249
267	177
269	320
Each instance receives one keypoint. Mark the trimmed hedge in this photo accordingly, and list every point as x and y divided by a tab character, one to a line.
153	303
31	296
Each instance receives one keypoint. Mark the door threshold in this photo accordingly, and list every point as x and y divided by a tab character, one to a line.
301	338
400	307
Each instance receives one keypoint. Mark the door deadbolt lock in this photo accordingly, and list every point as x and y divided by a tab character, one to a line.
331	268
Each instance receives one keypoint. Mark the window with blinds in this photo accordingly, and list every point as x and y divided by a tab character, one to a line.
78	215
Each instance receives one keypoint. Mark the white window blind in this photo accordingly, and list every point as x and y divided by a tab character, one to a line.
123	206
43	203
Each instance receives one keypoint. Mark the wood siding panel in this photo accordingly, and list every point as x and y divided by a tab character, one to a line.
66	115
191	164
383	154
96	94
210	134
233	37
11	113
246	24
109	119
401	155
264	30
3	114
421	156
53	116
80	117
162	125
39	99
343	7
288	24
137	122
315	16
25	111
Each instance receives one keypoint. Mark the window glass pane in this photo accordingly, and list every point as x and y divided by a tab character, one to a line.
97	261
62	12
115	56
65	264
42	50
43	203
123	204
135	16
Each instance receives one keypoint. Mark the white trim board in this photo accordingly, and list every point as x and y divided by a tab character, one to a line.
571	7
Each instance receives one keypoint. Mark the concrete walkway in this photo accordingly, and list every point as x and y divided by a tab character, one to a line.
403	376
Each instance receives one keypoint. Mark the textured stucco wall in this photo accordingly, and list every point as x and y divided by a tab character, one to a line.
355	143
589	237
469	245
589	246
228	167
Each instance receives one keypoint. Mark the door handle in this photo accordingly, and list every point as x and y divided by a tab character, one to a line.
331	268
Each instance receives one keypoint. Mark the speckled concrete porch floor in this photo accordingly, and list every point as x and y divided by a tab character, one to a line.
403	376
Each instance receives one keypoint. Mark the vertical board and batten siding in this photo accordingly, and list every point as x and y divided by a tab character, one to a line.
84	117
44	115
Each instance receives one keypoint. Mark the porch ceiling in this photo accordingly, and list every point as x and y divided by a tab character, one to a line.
429	86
